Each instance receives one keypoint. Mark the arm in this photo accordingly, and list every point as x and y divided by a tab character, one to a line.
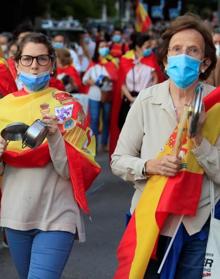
126	161
208	156
127	94
3	145
154	78
87	80
57	147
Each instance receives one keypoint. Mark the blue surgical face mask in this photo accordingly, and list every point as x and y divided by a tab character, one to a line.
103	51
87	40
147	52
58	44
183	70
34	82
116	38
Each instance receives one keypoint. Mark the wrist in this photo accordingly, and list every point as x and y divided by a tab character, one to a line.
145	171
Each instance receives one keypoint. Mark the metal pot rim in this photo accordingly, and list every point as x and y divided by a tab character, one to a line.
14	131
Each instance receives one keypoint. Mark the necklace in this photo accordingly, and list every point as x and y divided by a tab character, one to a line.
175	108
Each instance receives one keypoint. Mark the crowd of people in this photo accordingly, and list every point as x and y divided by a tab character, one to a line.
91	66
137	86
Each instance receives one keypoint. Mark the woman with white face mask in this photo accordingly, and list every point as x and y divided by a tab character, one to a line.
101	77
164	202
41	205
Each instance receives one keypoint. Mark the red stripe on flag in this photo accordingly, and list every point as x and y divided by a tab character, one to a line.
212	98
126	250
181	195
82	174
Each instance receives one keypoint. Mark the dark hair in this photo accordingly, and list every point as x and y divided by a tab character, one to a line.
138	39
95	57
37	38
12	43
190	21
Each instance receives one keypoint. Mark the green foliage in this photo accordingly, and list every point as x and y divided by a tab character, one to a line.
80	9
204	8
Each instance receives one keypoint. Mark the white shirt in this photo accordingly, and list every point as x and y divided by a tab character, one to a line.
139	77
75	58
93	73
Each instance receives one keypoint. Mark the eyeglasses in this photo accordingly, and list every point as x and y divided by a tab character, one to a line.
42	60
192	51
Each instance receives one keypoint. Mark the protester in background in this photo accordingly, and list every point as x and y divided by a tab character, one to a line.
89	44
60	41
43	217
66	71
83	55
118	47
12	50
214	77
101	77
138	70
5	39
189	56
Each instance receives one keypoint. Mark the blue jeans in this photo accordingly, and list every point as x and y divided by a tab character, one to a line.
38	254
185	259
95	108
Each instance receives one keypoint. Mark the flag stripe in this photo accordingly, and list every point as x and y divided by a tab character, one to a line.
178	195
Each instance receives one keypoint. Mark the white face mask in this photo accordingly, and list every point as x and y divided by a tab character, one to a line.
4	48
217	46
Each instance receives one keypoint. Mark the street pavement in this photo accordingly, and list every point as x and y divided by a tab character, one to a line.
109	199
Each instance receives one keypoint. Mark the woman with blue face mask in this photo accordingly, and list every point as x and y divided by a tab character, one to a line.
151	155
101	77
40	205
118	46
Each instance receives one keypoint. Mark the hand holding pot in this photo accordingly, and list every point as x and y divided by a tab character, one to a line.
51	122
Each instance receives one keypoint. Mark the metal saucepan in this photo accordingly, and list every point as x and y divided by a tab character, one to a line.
35	134
196	112
14	131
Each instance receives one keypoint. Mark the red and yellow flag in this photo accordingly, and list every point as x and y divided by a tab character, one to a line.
162	196
7	82
142	20
78	138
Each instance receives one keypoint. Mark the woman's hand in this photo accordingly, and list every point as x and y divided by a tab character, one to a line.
90	82
3	145
51	123
169	165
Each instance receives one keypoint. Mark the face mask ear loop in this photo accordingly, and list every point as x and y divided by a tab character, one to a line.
203	63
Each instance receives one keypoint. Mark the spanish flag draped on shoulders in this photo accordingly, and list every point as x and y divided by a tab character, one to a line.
126	64
79	142
111	65
160	196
